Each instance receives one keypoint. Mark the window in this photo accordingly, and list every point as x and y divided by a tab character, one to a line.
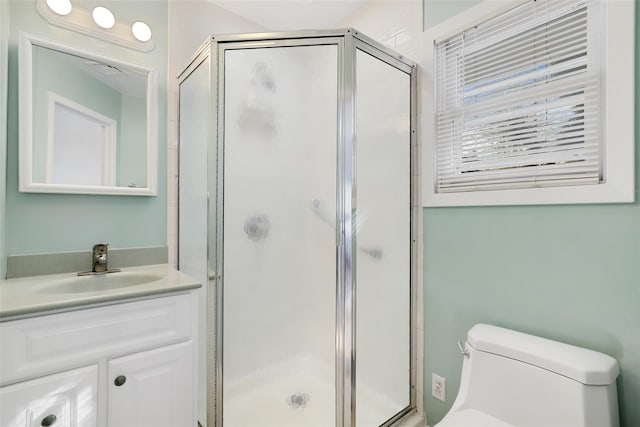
521	109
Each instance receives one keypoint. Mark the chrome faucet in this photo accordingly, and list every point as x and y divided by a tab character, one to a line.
100	259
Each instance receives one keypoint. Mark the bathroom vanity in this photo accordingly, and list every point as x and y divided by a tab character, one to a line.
118	356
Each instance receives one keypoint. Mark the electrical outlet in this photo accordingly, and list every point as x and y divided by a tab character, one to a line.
438	386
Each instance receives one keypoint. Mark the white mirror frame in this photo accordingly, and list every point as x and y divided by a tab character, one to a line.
25	60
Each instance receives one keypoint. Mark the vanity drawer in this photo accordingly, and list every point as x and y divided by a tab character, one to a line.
40	345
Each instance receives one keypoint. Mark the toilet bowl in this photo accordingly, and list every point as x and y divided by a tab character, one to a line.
514	379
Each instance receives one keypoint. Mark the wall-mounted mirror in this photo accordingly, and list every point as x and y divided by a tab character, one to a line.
88	123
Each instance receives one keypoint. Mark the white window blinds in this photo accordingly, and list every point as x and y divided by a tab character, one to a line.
517	100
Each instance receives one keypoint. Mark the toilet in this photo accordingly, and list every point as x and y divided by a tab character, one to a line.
514	379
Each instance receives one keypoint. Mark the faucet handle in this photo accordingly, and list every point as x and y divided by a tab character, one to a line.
100	247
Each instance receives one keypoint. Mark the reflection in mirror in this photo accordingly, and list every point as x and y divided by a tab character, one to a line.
81	145
91	124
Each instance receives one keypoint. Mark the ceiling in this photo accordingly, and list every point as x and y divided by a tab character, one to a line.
290	15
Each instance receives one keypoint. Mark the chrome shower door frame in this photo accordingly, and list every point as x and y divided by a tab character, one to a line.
348	42
262	41
380	52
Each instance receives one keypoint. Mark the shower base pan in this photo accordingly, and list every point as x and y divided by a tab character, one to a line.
296	396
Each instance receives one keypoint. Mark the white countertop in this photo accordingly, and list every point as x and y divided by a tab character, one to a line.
27	296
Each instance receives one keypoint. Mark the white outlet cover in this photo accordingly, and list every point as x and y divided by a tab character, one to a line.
438	387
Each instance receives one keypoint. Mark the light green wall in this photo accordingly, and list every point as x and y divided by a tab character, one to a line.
570	273
132	150
437	11
39	223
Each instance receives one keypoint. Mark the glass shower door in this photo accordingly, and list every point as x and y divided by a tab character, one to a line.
383	230
279	237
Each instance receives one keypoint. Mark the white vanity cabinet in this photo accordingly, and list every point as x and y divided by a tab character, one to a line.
152	388
130	364
64	399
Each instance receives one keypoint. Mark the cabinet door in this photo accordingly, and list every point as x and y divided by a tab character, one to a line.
67	399
153	388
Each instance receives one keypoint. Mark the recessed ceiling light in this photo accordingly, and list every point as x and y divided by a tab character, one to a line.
61	7
103	17
141	31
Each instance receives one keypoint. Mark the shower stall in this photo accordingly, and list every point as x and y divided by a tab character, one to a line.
297	210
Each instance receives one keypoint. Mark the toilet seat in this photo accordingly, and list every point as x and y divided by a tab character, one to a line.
470	418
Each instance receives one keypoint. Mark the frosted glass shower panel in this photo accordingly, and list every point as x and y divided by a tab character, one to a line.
194	112
383	230
280	139
192	213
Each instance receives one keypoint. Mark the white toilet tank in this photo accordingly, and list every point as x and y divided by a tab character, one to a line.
515	379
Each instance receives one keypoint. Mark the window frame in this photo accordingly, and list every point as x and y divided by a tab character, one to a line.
618	185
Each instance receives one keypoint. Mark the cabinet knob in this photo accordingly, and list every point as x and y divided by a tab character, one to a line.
120	379
49	420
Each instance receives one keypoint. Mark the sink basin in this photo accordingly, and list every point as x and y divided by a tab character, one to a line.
97	283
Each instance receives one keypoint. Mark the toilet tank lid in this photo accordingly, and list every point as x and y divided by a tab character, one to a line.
586	366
